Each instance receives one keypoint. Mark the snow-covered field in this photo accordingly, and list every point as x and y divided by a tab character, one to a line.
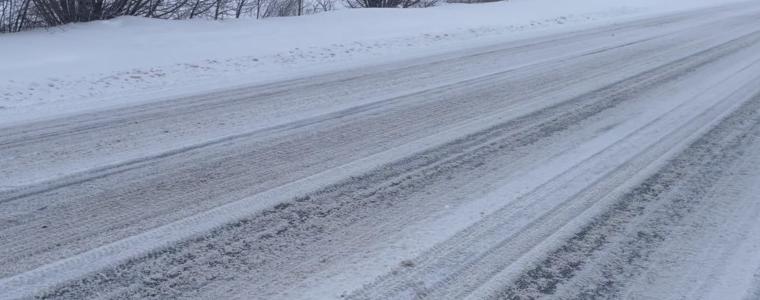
129	60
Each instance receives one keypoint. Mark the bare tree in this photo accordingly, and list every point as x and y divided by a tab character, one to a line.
318	6
281	8
389	3
16	15
239	6
219	8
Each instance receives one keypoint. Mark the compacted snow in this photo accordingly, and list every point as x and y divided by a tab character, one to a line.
614	161
127	60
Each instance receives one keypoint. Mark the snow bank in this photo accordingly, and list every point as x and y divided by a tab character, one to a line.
128	60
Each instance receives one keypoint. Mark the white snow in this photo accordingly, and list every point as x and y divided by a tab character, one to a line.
128	60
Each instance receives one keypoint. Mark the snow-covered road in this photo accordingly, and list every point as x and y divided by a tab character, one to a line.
613	162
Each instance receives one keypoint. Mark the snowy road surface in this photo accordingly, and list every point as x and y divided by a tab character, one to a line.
616	162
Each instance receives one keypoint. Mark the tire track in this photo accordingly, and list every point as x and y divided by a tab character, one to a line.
244	94
66	146
299	220
122	197
621	240
459	266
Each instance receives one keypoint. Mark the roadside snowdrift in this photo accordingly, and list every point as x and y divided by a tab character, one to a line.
128	60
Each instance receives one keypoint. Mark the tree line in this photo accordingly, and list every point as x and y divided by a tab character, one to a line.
19	15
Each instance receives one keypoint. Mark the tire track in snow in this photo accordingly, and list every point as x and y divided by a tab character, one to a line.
254	152
391	189
400	178
539	86
459	266
621	240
